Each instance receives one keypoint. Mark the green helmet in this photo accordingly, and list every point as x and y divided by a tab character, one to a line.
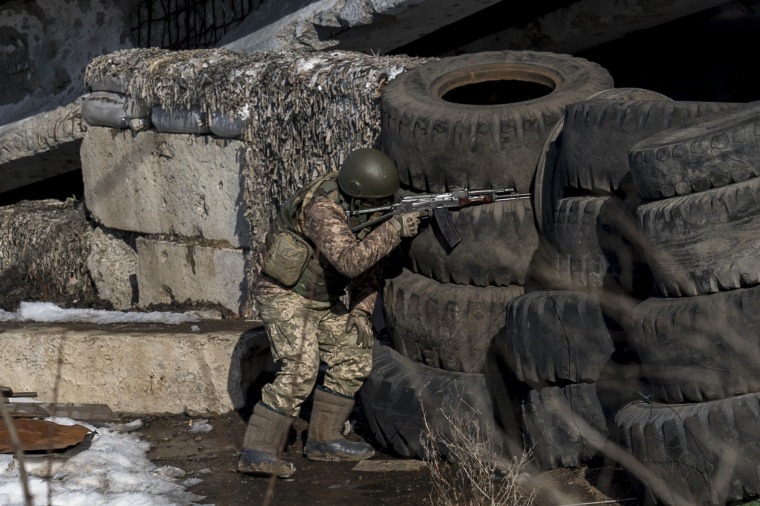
368	174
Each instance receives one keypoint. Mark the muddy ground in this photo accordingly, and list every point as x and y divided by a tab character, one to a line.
390	480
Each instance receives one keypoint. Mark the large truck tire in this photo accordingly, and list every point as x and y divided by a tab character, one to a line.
718	150
555	337
444	325
480	120
699	348
551	423
705	453
596	244
400	395
704	242
598	134
497	243
551	182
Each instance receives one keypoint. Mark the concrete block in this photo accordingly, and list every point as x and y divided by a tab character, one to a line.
113	268
158	183
141	369
170	272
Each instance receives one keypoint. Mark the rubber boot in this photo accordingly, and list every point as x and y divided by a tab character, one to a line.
325	440
264	439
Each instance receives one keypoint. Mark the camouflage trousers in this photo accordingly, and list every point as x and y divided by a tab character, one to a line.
302	333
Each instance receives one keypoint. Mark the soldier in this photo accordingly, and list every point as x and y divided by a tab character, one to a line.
313	263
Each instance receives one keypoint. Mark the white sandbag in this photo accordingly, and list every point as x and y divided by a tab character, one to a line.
115	110
180	121
222	125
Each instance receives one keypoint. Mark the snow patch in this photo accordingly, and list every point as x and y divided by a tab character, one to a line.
47	312
113	471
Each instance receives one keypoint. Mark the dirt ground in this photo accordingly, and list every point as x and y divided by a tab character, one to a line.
389	480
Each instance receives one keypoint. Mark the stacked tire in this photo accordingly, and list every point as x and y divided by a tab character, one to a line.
627	313
685	223
556	348
478	122
564	341
699	338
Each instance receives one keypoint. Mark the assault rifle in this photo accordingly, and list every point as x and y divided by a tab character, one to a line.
436	204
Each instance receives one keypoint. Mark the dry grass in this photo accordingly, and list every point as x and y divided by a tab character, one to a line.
473	471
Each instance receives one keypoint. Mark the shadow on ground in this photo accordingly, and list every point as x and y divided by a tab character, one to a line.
212	456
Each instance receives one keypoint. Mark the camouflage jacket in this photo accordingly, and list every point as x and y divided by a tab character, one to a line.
342	261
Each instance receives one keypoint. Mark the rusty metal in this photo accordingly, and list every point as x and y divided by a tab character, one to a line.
42	435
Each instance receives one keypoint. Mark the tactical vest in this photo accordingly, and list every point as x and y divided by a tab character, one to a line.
320	280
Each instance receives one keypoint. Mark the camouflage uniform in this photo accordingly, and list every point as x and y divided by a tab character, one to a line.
306	323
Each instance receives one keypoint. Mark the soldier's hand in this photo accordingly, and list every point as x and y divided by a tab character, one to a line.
407	224
363	327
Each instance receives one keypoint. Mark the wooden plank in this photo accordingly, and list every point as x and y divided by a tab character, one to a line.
382	466
26	410
83	412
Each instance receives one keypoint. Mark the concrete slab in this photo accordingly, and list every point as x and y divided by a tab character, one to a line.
179	185
169	272
380	26
137	369
376	26
40	146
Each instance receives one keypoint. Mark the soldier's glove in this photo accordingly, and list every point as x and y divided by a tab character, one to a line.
360	322
407	224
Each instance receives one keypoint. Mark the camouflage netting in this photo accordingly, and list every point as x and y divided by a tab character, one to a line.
116	69
44	247
304	111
